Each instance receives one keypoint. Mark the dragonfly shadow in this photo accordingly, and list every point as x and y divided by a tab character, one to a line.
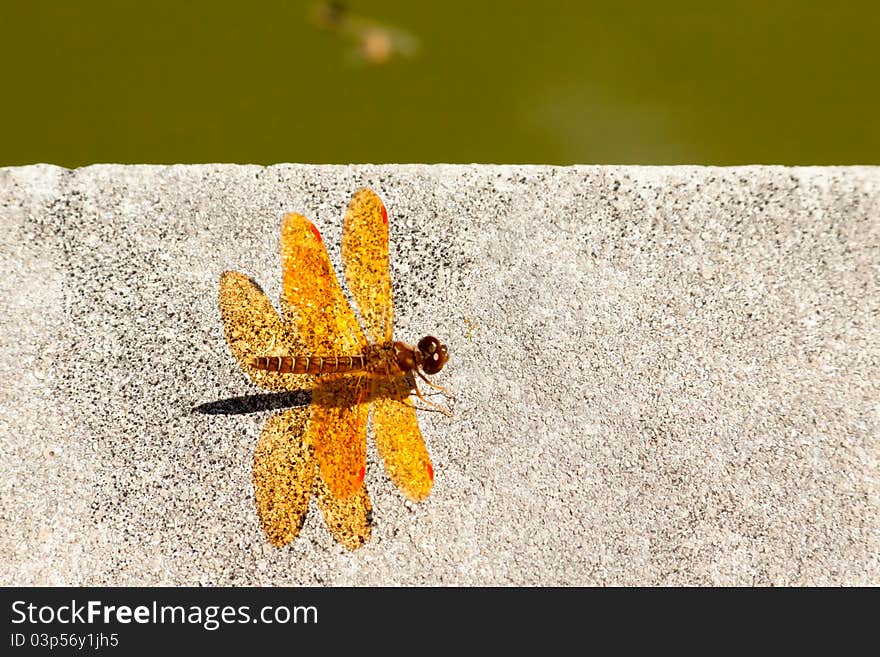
273	401
268	401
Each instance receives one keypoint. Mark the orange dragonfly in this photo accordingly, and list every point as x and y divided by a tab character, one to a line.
376	42
317	344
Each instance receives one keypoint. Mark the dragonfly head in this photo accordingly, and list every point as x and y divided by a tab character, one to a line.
434	355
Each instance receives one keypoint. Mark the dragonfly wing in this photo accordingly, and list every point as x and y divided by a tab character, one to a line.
399	439
284	469
349	520
311	298
253	328
365	257
338	430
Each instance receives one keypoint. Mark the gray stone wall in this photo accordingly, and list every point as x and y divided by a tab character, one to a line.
661	375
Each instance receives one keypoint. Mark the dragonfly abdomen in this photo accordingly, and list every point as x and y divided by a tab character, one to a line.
310	364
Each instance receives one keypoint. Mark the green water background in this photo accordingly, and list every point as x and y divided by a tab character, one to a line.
520	82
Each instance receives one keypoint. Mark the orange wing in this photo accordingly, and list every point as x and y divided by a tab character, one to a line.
338	430
365	257
283	472
284	477
399	439
312	300
253	328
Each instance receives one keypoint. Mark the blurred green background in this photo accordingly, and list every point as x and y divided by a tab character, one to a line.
454	81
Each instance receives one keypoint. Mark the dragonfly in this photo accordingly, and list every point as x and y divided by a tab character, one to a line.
376	42
355	375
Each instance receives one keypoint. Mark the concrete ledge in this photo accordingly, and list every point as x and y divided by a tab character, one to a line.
663	375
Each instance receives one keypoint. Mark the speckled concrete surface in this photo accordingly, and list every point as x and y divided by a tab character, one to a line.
663	375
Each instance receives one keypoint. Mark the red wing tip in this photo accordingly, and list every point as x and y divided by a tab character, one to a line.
431	472
293	223
384	215
362	474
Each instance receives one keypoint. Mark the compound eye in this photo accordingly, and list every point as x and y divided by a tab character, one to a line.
428	345
434	355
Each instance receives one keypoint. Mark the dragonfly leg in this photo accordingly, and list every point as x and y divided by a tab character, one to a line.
418	392
435	386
